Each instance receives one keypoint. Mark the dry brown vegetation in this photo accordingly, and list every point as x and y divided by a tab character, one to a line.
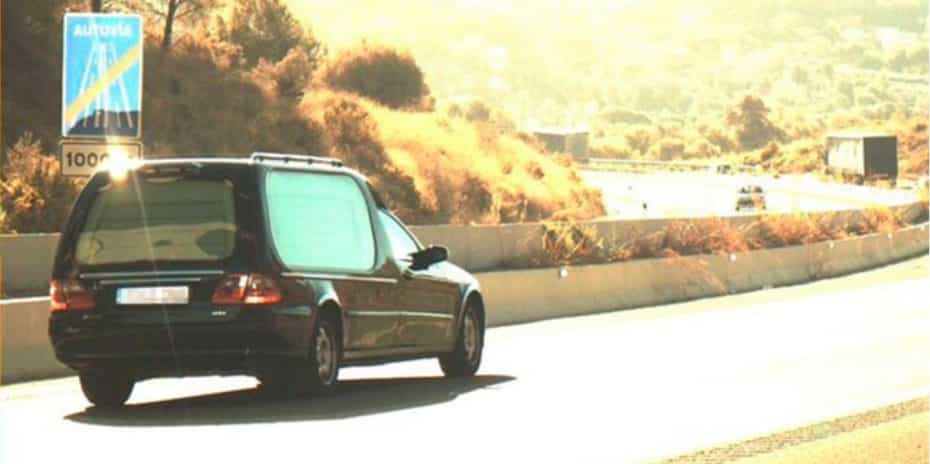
261	83
572	243
34	196
381	73
433	169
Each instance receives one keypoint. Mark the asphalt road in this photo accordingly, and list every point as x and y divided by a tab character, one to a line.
695	194
630	386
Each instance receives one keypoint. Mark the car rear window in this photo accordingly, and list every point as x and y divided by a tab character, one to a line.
159	219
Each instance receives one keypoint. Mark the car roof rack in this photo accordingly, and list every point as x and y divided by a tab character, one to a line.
287	157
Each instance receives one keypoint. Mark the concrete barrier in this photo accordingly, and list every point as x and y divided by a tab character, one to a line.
27	261
480	248
26	350
530	295
768	268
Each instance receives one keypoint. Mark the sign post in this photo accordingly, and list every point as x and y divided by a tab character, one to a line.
101	105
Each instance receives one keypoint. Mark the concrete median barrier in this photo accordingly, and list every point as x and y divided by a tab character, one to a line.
910	242
26	350
520	296
477	248
768	268
27	260
537	294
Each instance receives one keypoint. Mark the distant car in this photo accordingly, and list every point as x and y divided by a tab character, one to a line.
282	267
751	198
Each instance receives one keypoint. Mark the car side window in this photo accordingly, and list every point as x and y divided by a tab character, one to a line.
319	221
402	245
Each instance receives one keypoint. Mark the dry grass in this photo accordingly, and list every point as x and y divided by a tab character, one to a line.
573	243
680	238
452	171
570	243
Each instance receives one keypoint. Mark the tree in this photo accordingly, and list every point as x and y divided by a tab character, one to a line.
267	29
381	73
751	124
173	12
32	41
285	79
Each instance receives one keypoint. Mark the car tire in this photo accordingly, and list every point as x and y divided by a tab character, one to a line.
106	389
317	374
465	359
325	351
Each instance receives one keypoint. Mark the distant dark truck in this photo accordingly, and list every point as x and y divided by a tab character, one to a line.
862	156
561	140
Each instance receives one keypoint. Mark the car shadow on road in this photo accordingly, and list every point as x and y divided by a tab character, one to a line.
351	398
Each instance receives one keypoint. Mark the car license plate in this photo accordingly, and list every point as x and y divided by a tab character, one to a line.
153	295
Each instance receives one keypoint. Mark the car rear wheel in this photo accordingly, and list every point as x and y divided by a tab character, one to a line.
324	356
106	389
466	358
318	374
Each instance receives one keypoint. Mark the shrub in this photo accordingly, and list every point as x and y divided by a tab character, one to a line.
679	238
782	231
35	196
611	147
381	73
437	170
285	79
575	243
668	149
570	243
196	104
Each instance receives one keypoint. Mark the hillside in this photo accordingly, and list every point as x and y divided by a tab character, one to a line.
658	79
231	85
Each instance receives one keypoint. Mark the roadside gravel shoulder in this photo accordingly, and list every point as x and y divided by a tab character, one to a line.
894	434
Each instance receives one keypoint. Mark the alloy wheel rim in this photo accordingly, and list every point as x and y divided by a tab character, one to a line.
325	357
471	337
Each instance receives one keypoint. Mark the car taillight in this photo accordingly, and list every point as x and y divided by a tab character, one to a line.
70	295
250	289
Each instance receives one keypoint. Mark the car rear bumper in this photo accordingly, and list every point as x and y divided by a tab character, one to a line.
227	347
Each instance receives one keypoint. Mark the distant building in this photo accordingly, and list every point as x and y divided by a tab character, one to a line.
864	154
569	141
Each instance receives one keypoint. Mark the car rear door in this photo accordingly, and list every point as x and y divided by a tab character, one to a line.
321	230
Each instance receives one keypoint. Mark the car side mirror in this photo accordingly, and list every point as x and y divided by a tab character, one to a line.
428	256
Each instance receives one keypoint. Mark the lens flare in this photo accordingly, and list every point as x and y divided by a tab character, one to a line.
118	163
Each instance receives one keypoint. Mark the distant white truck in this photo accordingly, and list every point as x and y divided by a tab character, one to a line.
862	156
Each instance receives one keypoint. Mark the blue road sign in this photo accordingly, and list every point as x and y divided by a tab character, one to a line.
102	76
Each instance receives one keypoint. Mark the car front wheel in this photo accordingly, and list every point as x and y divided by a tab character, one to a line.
106	389
465	359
